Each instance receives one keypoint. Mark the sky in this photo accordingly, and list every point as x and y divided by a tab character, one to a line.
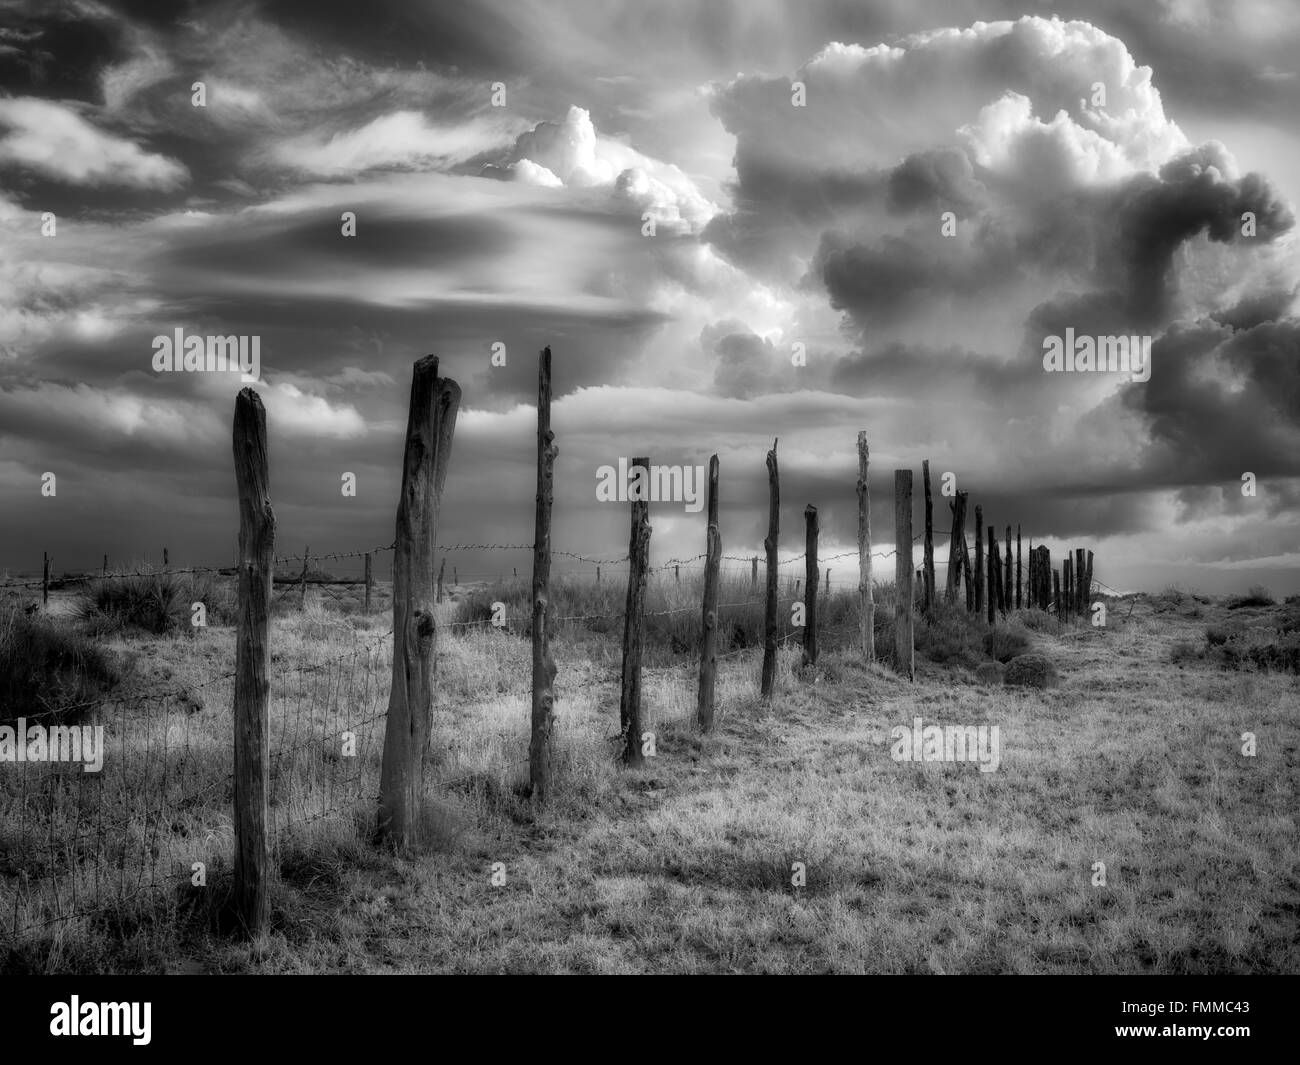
732	222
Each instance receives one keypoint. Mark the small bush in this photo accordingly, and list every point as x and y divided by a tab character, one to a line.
1257	595
1006	640
1031	670
1184	651
1218	635
47	669
156	601
990	674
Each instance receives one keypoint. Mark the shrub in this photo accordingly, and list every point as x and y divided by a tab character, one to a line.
1006	640
1257	595
990	674
156	601
47	669
1031	670
1184	651
1218	635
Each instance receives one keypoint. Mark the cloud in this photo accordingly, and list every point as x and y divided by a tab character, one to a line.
572	155
53	139
402	139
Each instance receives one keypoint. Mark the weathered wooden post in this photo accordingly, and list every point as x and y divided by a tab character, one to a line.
252	863
994	583
810	596
928	557
1067	585
634	620
430	425
598	576
455	577
45	580
677	574
1019	567
105	566
1005	600
166	559
302	581
442	568
1056	595
979	559
903	594
370	580
753	574
769	545
956	544
866	593
543	717
709	626
1087	585
1080	586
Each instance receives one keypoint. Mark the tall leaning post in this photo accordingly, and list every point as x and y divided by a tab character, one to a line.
810	591
543	716
1008	581
252	663
634	618
430	424
995	584
709	619
866	593
929	540
769	544
903	647
979	559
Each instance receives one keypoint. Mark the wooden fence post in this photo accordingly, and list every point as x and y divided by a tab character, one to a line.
302	581
634	621
455	577
1019	567
1056	595
810	596
442	568
956	543
677	574
1080	588
370	580
166	559
903	647
1067	586
827	588
252	663
1005	600
45	580
866	593
753	574
929	540
430	425
543	716
979	559
995	584
597	576
709	626
769	545
1087	584
105	566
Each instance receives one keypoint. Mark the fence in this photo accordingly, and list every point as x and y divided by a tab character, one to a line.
173	807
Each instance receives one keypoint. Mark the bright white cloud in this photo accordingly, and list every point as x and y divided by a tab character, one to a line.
53	139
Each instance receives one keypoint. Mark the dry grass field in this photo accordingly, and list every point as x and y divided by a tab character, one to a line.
1134	759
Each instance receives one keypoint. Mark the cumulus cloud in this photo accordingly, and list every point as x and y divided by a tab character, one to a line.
571	154
53	139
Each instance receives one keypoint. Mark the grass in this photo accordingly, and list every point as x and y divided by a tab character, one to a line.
684	865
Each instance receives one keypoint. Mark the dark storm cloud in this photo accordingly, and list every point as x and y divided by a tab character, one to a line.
1221	403
1155	216
938	180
